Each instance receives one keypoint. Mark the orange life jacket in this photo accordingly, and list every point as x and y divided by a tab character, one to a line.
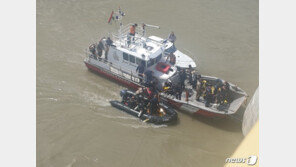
132	30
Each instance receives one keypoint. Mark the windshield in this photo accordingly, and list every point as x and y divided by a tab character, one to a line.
171	49
154	61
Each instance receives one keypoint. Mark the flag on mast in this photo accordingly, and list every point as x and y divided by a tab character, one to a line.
111	17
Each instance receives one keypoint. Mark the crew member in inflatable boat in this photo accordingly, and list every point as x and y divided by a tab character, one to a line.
153	104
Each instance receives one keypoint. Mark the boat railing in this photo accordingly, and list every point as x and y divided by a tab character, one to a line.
122	72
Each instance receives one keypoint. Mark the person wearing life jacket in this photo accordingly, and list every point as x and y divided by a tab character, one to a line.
203	87
172	58
208	96
225	93
168	87
132	31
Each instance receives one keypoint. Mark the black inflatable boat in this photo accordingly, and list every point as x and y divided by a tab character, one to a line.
166	116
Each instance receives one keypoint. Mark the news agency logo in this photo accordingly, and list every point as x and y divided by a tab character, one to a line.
251	160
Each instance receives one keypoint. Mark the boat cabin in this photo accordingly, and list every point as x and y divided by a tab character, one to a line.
127	53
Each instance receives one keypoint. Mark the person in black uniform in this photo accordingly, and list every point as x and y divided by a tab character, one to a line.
153	105
178	92
100	48
149	77
182	78
93	51
141	105
109	42
208	96
140	69
190	73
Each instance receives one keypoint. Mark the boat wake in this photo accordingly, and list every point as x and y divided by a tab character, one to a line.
143	125
93	98
116	117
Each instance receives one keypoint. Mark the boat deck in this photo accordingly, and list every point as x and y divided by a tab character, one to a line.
238	99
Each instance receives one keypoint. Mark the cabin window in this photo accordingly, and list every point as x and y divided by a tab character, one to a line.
150	62
138	61
171	49
132	59
125	56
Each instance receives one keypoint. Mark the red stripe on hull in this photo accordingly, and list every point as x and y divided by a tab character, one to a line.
111	76
209	114
135	87
174	104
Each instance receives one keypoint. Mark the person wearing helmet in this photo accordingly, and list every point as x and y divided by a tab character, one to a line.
123	95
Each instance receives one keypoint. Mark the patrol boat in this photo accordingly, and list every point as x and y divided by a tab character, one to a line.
119	59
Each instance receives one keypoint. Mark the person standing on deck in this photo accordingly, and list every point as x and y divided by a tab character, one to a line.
208	96
178	92
182	79
100	48
93	51
172	38
190	72
132	31
140	69
198	87
143	29
109	42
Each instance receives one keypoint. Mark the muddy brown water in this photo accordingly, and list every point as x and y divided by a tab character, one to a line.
76	126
